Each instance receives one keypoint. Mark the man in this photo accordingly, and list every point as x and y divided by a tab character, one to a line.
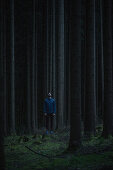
49	112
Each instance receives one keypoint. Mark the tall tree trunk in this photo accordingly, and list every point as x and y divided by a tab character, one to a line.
2	157
90	91
33	68
4	54
47	50
54	50
41	60
54	53
12	70
112	58
100	71
102	57
28	86
36	80
51	47
83	53
66	65
2	164
75	74
107	53
60	65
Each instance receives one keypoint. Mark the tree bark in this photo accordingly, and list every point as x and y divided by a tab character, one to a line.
54	53
66	66
2	158
36	79
75	74
28	86
47	50
107	53
90	91
33	67
5	75
12	70
83	56
60	65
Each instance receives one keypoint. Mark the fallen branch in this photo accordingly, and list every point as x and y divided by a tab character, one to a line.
58	156
38	153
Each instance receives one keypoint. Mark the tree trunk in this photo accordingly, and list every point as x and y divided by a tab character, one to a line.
51	47
2	156
4	54
41	60
66	66
60	65
102	56
12	70
2	162
47	51
107	53
36	80
83	56
90	91
54	54
33	68
100	71
75	74
28	86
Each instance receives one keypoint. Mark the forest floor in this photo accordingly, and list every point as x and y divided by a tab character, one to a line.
48	152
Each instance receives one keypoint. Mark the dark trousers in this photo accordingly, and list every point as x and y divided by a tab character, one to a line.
49	121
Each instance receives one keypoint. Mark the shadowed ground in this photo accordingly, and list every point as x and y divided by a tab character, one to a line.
49	152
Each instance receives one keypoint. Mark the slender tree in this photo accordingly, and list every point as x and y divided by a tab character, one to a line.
99	63
83	52
28	85
75	74
54	52
36	79
66	65
47	50
102	58
2	165
12	70
41	61
51	46
60	64
5	75
90	91
107	53
54	49
33	66
2	157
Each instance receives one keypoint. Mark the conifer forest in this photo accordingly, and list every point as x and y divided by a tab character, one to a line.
62	47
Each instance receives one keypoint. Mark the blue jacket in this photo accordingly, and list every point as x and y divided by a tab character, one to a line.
49	105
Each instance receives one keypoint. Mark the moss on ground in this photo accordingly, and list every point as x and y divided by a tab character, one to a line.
94	154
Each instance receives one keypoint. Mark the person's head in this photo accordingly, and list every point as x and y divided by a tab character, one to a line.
49	95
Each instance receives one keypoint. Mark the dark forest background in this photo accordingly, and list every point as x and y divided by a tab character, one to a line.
58	46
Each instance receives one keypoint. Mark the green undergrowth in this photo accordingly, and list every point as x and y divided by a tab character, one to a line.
49	152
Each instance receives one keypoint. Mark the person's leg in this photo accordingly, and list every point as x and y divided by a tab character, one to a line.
51	121
47	124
